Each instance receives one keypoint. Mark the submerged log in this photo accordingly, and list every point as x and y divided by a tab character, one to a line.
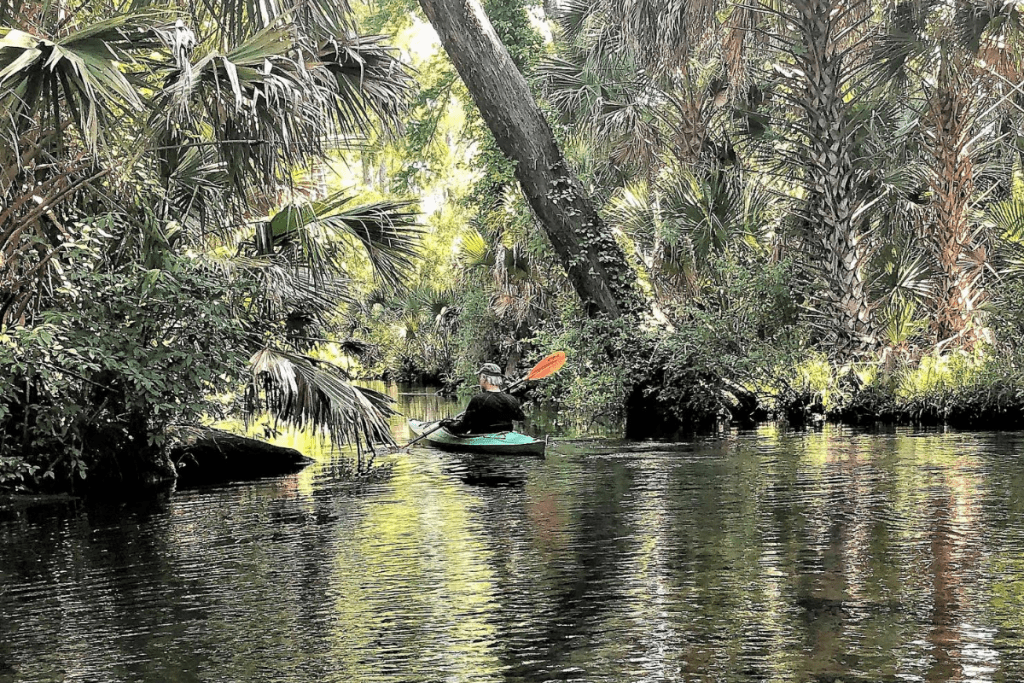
216	456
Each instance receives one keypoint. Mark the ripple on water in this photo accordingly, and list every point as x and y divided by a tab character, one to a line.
831	556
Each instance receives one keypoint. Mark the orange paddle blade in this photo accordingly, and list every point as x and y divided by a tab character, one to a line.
548	366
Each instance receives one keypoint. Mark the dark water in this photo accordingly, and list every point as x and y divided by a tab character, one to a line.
756	557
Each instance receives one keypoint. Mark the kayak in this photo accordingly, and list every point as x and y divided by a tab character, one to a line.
498	443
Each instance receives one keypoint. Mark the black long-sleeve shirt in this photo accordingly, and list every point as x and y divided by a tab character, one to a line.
488	411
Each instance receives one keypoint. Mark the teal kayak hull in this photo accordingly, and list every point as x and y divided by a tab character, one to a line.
500	443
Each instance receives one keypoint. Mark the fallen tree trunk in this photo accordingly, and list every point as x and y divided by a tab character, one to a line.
215	457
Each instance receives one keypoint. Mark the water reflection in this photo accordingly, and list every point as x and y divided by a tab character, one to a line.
763	556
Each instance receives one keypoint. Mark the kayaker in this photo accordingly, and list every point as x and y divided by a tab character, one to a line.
492	410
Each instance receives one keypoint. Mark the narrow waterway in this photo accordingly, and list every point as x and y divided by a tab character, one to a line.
763	556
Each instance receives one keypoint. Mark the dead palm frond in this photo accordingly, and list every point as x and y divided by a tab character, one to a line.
309	394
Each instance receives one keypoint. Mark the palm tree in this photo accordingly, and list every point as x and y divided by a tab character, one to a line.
660	99
957	60
949	118
653	80
174	124
822	71
647	81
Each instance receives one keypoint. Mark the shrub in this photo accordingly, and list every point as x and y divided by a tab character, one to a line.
117	358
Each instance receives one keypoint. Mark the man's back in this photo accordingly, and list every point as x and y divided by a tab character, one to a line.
488	411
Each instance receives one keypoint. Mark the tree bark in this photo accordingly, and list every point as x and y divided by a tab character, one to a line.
950	115
592	259
824	65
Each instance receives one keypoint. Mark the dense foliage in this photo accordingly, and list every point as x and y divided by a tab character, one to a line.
209	206
166	239
820	204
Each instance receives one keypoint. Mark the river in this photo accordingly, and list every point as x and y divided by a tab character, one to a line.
758	556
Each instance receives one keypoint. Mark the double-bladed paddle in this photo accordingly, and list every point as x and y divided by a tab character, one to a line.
547	367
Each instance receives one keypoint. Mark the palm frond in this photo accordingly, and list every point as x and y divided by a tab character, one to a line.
574	16
664	33
197	191
230	21
474	252
633	211
258	102
904	271
903	44
899	324
316	237
307	393
388	232
711	211
80	72
1008	218
369	82
616	106
273	103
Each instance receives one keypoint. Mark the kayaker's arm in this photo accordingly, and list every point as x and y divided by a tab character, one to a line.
518	413
519	391
462	425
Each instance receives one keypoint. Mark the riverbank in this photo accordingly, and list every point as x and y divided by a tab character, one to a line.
198	456
961	390
667	385
677	400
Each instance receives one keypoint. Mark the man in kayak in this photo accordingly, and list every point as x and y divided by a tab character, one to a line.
492	410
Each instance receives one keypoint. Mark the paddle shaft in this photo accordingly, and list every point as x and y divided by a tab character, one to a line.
427	433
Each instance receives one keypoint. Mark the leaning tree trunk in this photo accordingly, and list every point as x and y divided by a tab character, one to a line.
952	185
595	264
